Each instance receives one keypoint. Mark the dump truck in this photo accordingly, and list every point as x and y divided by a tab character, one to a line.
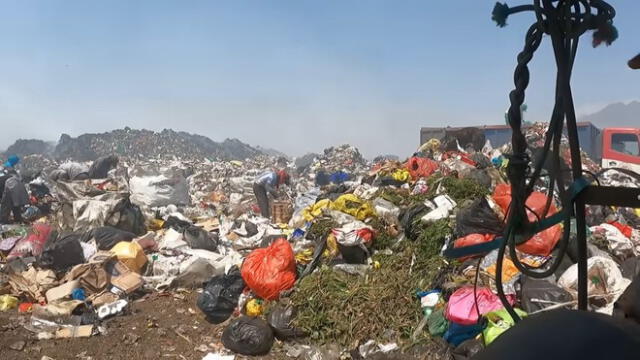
611	147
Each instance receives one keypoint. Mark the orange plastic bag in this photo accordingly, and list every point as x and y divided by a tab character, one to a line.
472	239
268	271
421	167
543	242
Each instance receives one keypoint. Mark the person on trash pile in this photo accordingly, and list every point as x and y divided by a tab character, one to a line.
13	193
7	170
267	184
101	167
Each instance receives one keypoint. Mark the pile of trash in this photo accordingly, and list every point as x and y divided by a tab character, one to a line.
136	144
354	263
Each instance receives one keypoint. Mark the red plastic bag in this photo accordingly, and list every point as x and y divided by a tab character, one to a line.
421	167
461	308
472	239
543	242
268	271
33	243
502	196
626	230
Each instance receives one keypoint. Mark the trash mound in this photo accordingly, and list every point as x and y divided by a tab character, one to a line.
344	158
351	263
24	147
146	144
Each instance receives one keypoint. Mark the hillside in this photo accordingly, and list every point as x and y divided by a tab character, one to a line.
616	115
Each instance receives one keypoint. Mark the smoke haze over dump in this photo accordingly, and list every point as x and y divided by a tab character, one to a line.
296	76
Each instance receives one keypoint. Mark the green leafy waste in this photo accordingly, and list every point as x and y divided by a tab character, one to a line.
335	307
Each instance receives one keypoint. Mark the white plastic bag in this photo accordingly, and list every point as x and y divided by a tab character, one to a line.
604	280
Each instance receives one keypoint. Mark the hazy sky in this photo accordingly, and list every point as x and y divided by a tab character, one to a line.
296	75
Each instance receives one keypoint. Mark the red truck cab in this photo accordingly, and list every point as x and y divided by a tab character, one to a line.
621	148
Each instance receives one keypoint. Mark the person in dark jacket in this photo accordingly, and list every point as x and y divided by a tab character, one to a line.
267	184
101	167
13	193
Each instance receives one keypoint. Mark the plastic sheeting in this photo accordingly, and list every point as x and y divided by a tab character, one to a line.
159	190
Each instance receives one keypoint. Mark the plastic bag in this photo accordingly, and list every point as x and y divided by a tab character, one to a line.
108	236
268	271
437	323
353	234
407	219
354	206
472	239
467	349
220	296
62	252
543	242
33	244
401	175
248	336
315	210
604	279
619	244
538	294
131	254
421	167
280	318
128	217
8	302
198	238
479	218
498	322
461	308
457	334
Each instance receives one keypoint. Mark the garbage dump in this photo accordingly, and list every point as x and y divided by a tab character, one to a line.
349	264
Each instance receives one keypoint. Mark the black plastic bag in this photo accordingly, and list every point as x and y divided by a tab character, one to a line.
62	252
101	166
631	268
406	219
128	217
198	238
541	289
107	237
316	258
628	304
248	336
388	181
220	296
478	218
176	224
279	318
250	228
467	349
353	254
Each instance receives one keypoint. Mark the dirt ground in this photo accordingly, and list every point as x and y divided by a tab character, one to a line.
160	326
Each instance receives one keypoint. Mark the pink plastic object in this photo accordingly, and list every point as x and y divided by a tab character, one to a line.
33	243
461	308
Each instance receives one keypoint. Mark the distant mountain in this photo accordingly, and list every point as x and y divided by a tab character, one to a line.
138	144
616	115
